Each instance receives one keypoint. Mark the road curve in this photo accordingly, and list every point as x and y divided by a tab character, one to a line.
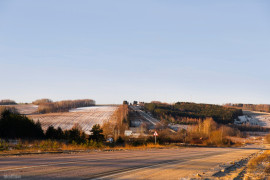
139	164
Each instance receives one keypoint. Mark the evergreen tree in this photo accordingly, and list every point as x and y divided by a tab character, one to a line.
97	133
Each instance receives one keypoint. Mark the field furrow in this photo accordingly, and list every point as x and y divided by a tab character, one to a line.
86	118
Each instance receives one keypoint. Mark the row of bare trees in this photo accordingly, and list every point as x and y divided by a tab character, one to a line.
48	106
7	102
251	107
118	123
42	101
211	133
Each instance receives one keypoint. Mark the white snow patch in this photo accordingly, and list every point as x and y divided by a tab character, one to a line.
254	118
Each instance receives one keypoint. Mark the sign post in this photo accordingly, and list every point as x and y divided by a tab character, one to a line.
155	134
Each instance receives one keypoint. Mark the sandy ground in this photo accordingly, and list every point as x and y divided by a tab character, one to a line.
178	163
85	117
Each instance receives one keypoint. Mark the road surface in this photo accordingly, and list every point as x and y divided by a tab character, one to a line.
132	164
153	121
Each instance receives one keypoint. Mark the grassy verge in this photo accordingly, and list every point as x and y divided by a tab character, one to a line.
49	146
259	166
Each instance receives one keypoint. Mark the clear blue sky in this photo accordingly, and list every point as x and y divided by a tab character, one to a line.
200	51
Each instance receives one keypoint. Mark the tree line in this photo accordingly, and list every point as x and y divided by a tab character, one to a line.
75	135
48	106
251	107
7	102
181	111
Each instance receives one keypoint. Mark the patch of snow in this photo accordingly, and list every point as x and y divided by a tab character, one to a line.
254	118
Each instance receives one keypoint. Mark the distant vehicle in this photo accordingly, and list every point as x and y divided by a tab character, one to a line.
109	140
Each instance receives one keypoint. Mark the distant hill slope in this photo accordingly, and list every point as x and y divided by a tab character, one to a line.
84	117
180	111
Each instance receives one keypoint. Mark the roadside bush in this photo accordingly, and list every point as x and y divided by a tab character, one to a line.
208	132
93	144
19	145
3	145
138	142
53	133
97	134
49	145
73	136
165	136
120	141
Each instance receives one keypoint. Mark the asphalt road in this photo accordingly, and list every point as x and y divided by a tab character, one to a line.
137	164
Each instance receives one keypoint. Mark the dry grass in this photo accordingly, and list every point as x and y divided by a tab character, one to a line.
258	167
55	146
255	162
147	146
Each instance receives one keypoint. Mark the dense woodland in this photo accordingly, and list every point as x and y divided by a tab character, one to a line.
7	102
188	113
48	106
14	125
251	107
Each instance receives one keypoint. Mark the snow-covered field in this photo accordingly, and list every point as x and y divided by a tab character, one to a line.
86	117
254	118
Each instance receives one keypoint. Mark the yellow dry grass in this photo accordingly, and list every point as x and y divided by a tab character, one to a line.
253	163
54	146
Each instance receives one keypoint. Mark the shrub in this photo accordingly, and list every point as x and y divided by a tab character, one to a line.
3	145
97	133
